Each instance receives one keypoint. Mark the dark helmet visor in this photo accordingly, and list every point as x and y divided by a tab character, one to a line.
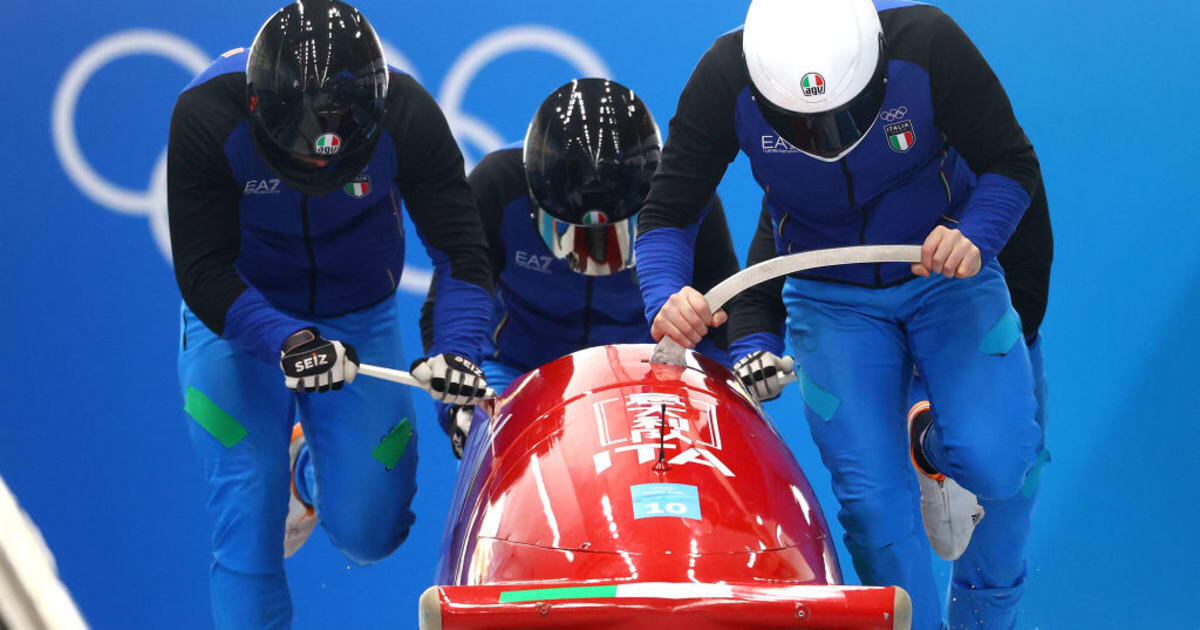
597	249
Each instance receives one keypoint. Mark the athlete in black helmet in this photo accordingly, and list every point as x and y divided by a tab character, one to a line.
316	115
286	168
565	281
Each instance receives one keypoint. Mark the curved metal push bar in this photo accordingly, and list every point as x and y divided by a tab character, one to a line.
671	353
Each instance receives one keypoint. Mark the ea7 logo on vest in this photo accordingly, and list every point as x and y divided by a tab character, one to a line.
533	262
775	144
261	187
900	136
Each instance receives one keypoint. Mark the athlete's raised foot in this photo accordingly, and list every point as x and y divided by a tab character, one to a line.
301	517
949	511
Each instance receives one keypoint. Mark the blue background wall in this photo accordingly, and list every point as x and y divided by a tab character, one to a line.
92	437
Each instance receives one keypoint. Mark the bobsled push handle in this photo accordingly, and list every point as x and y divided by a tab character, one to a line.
671	353
400	376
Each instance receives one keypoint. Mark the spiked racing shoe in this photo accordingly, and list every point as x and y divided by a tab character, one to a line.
301	517
950	512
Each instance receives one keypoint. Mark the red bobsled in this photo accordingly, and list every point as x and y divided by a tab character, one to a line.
609	492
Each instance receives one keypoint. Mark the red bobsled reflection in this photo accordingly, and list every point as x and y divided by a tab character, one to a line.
607	492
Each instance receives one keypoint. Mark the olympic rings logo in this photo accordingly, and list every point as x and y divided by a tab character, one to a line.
152	202
892	115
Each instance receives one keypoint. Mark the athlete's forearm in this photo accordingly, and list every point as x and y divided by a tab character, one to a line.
973	110
757	315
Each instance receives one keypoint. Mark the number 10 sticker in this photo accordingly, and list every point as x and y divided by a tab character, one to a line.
652	500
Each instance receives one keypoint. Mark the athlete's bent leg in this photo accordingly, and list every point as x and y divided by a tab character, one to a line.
854	374
239	419
965	338
362	443
989	578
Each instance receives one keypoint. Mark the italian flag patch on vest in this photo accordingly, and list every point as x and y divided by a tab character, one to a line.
359	186
900	136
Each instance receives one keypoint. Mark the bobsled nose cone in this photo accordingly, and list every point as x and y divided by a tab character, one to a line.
430	613
901	610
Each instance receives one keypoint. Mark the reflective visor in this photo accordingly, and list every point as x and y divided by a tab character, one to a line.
599	249
830	135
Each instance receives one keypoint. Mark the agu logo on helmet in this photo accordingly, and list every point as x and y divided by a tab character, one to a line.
813	84
328	144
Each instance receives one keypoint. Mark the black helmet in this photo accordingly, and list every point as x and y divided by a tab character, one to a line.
316	80
590	153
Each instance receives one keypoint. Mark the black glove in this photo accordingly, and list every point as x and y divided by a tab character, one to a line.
313	364
458	425
451	379
761	372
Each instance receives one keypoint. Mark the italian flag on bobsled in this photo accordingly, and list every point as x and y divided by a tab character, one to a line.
610	490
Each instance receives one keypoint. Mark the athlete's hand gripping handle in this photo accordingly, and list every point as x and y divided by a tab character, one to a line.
404	378
311	363
765	374
451	378
685	318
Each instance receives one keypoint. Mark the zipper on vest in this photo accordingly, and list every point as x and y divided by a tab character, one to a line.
312	259
946	180
862	232
587	312
499	327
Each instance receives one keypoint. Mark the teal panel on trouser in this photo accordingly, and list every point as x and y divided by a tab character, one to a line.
823	402
391	448
215	420
1003	335
1034	478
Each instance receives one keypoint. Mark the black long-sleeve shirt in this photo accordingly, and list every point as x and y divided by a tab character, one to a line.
254	258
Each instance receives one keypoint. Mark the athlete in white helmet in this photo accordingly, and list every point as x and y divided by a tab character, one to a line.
872	124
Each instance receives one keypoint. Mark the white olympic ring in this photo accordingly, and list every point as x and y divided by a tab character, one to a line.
494	46
152	203
892	115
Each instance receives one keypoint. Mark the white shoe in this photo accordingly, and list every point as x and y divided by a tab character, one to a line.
301	517
949	512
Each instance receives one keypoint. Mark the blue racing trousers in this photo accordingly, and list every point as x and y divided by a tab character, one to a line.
987	581
856	348
358	469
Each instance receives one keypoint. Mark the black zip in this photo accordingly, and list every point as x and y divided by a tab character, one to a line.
587	312
862	232
312	259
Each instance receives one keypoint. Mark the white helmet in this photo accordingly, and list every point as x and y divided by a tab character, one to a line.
818	71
